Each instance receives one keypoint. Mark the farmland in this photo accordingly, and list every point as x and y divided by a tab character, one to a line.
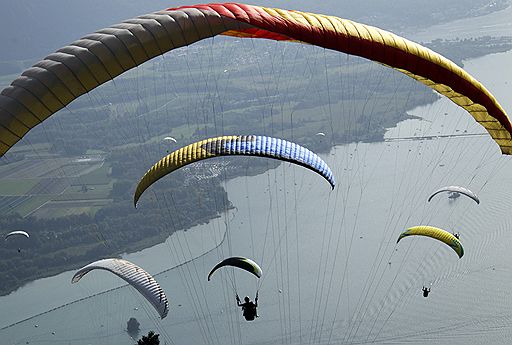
50	186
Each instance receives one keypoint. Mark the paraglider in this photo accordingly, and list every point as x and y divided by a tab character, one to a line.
249	308
455	192
169	139
17	233
435	233
426	291
133	275
321	134
453	195
76	69
248	145
240	262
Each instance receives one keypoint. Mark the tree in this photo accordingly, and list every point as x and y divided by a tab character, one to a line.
132	327
150	339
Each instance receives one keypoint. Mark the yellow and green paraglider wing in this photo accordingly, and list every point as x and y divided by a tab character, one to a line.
435	233
240	262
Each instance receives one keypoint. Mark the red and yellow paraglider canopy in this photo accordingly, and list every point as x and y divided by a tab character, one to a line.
75	69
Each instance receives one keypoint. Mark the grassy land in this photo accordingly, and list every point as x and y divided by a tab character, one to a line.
17	186
6	169
31	204
56	209
92	189
40	148
100	176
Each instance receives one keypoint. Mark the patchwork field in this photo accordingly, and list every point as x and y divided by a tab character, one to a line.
53	209
55	186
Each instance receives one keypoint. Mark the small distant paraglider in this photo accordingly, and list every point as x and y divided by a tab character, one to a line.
15	234
168	140
455	192
239	262
320	134
437	234
426	291
249	308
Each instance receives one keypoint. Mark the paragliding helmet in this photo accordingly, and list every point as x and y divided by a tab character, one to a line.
247	299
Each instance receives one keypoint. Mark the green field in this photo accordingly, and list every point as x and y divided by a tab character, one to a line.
57	196
30	205
99	176
55	209
99	192
17	186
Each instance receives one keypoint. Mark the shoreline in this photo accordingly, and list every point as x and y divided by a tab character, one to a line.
324	148
118	287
